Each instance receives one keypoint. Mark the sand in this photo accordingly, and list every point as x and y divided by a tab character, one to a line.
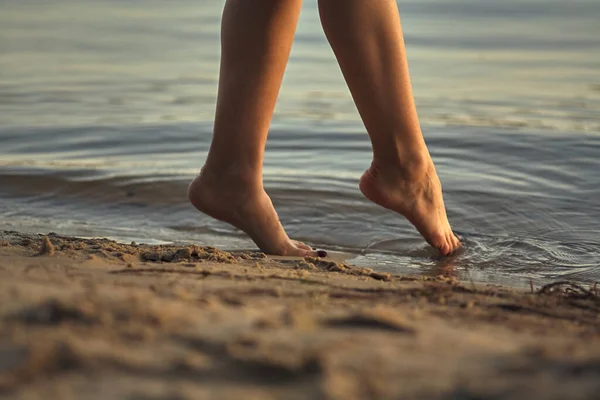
95	319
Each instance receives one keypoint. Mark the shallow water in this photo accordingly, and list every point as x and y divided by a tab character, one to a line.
106	110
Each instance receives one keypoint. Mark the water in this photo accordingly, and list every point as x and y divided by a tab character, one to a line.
106	110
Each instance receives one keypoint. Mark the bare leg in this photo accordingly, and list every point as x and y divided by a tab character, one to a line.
256	42
366	37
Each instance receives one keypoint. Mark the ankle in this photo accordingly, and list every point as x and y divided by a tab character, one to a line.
233	174
412	167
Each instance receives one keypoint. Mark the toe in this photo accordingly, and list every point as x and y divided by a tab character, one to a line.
301	245
315	253
456	241
440	242
452	243
310	253
446	245
445	249
298	252
299	249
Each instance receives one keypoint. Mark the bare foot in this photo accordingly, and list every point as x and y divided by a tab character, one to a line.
417	195
248	208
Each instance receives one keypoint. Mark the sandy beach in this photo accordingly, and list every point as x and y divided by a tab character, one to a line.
95	319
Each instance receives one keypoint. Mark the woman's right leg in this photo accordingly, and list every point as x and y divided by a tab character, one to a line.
366	37
256	41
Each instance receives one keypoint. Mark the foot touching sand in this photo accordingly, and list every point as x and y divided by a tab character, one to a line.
247	207
417	195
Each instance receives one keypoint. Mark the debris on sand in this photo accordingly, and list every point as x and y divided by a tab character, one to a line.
47	248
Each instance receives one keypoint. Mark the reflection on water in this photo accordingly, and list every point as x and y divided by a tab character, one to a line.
106	110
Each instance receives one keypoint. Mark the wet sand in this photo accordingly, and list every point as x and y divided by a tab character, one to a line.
96	319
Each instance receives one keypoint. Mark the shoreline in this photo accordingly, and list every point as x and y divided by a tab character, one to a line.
82	316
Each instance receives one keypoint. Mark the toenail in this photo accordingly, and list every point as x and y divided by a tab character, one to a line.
322	253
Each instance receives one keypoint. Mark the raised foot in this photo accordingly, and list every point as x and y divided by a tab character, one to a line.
417	195
248	208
